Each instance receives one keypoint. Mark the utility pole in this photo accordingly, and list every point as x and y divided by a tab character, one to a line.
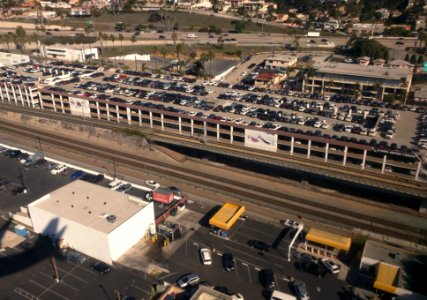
55	268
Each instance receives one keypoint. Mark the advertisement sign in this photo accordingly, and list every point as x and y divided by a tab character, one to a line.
79	107
260	140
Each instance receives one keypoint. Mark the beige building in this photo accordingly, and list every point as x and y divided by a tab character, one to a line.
374	82
366	29
280	61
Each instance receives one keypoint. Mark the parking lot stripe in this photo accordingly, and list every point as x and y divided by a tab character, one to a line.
141	289
68	273
167	275
258	269
25	294
285	279
245	264
47	289
61	282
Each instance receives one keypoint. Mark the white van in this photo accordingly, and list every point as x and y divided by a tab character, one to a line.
114	185
277	295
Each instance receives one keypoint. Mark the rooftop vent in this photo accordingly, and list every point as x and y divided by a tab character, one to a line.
111	218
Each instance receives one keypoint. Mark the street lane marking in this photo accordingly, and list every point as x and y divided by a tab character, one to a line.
46	289
141	289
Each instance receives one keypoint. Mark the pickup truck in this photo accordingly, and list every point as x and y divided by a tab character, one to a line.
33	159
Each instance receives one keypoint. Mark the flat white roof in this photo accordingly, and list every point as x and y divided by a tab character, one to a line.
89	204
282	58
362	71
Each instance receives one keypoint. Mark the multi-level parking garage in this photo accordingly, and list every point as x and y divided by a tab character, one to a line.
278	142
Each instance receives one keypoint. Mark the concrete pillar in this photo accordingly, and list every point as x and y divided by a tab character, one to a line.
151	119
364	159
62	103
309	149
180	125
97	110
53	102
128	115
161	122
41	100
205	131
417	172
14	94
231	134
384	164
107	108
217	131
326	152
140	117
192	127
27	97
292	145
1	93
21	96
7	92
117	113
323	87
344	160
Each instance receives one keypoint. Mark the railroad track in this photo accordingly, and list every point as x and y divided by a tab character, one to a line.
368	178
245	192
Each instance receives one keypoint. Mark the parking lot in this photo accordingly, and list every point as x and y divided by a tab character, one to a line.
30	274
245	279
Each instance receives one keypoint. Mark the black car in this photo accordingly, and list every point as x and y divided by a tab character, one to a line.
18	190
14	153
266	277
314	268
260	245
228	261
101	267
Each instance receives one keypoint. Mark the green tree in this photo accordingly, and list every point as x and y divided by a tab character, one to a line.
209	56
239	26
407	57
178	50
133	39
413	59
21	37
420	60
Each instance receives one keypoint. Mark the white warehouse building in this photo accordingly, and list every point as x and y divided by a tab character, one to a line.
11	59
68	54
94	220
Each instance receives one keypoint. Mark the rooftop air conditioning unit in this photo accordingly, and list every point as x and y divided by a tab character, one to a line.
111	218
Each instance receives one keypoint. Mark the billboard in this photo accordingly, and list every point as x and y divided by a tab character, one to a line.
79	107
260	140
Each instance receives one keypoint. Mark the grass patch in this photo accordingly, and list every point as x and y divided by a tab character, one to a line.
186	20
130	132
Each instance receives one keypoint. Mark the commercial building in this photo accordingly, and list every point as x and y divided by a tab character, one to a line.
280	61
384	265
373	82
11	59
366	29
68	54
267	79
326	243
92	219
225	218
400	63
80	12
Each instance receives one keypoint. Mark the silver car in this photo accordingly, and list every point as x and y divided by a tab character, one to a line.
300	290
189	279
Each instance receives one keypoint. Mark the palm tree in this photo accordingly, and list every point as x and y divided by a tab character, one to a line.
101	39
163	52
174	38
121	38
20	37
210	55
113	38
88	30
178	49
133	39
7	38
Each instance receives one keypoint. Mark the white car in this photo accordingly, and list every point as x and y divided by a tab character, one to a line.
58	169
206	256
325	125
317	124
331	266
290	223
152	183
237	296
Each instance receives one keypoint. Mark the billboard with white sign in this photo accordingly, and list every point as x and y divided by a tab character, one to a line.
260	140
79	107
